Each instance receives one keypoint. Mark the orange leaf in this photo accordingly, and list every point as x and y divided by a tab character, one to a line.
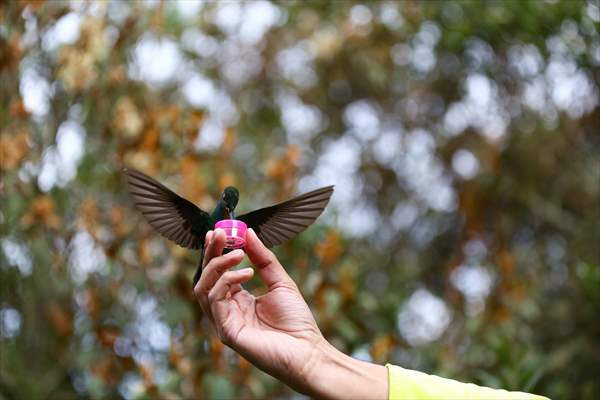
229	141
61	320
144	251
347	285
330	249
192	188
117	217
146	372
18	110
42	209
506	262
108	336
150	141
92	303
226	179
104	370
382	347
13	149
89	215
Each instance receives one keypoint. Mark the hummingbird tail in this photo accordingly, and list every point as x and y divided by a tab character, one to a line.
199	269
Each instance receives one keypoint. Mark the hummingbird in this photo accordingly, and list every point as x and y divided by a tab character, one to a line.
182	222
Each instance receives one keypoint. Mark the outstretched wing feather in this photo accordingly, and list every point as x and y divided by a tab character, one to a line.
279	223
172	216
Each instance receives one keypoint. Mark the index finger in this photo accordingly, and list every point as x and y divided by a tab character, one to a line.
216	244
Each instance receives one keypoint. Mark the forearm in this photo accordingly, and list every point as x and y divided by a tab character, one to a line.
336	375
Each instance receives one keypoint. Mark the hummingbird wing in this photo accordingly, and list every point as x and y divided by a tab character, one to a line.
277	224
172	216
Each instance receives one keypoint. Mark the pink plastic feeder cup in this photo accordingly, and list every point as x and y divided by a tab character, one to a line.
235	233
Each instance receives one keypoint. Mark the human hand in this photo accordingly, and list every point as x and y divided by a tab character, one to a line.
275	331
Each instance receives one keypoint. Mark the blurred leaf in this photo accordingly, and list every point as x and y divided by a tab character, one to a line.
461	137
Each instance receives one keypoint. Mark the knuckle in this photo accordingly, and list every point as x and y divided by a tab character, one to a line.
211	296
212	263
268	260
198	291
288	284
214	269
206	269
227	276
222	268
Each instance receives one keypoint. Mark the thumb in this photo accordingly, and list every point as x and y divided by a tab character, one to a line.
267	265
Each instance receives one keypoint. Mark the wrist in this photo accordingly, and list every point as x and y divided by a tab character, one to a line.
334	374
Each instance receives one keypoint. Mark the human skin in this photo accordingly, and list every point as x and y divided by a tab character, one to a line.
277	331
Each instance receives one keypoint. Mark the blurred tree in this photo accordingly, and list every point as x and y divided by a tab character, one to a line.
463	238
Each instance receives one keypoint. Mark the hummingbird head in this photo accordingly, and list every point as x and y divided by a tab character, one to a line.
230	197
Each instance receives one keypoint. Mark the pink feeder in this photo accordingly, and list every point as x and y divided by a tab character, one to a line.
235	233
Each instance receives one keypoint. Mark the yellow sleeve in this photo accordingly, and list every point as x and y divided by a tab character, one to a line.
414	385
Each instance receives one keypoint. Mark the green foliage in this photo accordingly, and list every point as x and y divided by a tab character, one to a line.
462	137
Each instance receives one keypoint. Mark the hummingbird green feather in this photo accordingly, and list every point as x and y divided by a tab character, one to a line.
182	222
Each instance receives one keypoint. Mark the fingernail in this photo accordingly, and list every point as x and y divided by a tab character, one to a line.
246	271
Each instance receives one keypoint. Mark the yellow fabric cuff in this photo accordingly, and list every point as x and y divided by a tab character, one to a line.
414	385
